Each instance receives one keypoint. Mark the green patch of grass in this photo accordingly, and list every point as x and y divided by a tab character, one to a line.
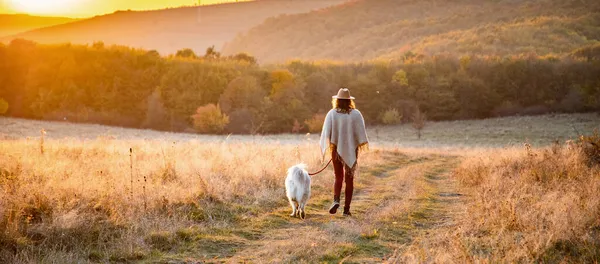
370	235
216	246
127	257
566	251
185	234
400	233
377	171
248	233
95	256
160	240
370	247
339	252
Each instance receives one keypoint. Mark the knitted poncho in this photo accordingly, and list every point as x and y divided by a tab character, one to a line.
346	131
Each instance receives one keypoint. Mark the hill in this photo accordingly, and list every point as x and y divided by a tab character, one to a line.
170	30
14	24
363	30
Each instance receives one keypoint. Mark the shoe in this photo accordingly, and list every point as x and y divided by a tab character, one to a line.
347	211
334	207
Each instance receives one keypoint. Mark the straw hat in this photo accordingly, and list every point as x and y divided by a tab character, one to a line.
343	93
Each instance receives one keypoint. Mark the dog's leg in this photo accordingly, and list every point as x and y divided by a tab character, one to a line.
293	204
301	210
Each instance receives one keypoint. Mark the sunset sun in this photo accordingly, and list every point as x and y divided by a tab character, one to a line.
42	6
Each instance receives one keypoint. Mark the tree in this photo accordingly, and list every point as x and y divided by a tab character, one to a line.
315	124
242	93
210	119
391	117
418	121
319	89
98	45
186	53
241	121
280	79
212	53
474	98
400	78
244	57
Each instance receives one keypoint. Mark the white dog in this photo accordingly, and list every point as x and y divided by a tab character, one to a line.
297	188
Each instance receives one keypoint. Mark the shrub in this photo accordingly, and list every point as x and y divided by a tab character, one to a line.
3	106
244	57
315	124
210	119
400	78
391	117
186	53
160	240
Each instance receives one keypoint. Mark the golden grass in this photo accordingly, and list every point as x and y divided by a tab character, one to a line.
89	198
524	205
183	197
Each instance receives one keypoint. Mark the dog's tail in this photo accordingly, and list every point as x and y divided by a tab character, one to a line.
297	169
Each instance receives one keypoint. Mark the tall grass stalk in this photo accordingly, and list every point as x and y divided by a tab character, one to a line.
42	133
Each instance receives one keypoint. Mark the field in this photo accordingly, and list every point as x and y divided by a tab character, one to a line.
469	191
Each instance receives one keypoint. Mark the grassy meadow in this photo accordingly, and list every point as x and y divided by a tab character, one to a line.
468	191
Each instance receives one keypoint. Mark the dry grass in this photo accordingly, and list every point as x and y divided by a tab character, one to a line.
184	197
83	198
524	205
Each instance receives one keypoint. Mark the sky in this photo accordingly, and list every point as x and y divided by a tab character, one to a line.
88	8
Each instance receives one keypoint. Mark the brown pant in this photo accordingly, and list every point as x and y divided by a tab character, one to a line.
342	173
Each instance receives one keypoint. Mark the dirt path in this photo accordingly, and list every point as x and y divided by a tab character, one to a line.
394	203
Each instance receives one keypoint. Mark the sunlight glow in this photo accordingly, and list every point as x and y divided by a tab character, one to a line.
42	6
88	8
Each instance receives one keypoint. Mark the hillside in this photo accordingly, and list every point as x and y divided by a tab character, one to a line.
364	30
172	29
14	24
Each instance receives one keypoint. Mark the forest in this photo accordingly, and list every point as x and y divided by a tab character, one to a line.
214	93
385	29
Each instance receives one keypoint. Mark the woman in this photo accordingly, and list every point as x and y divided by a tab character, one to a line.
343	133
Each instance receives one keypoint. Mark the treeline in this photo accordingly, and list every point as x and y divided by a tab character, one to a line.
233	94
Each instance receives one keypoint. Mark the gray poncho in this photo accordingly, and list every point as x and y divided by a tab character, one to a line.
346	131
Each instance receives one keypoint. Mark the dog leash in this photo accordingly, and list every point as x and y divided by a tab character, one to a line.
315	173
